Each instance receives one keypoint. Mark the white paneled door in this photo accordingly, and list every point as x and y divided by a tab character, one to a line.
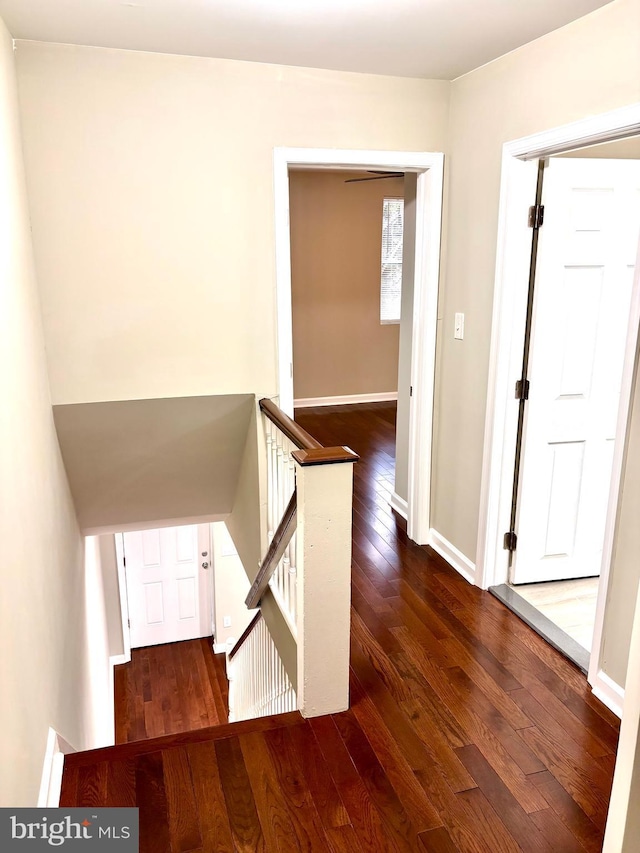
168	588
586	257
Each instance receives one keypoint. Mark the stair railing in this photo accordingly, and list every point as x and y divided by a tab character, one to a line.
283	436
258	682
307	566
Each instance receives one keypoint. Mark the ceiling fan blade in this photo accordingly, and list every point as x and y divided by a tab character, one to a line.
376	178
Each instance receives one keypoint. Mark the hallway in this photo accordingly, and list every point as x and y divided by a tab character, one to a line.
466	731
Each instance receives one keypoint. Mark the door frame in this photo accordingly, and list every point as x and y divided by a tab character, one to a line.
123	590
517	192
429	167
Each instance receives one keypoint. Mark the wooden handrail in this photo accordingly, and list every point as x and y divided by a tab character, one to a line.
238	644
325	456
281	539
289	427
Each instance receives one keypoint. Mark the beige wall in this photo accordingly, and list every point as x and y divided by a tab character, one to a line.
151	189
339	344
588	67
625	565
623	820
45	632
153	463
247	522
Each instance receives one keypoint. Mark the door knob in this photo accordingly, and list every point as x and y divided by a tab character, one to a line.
205	565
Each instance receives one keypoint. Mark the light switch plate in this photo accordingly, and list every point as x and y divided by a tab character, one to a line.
458	330
226	622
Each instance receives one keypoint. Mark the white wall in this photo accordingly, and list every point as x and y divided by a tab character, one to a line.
44	671
151	189
588	67
111	589
98	693
230	587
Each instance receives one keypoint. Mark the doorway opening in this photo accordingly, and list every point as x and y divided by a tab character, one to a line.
350	321
415	393
567	321
345	317
578	310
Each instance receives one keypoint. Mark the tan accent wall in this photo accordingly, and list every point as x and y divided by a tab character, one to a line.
47	604
588	67
339	345
151	188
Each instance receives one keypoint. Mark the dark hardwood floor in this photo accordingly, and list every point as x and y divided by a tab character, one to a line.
466	731
178	687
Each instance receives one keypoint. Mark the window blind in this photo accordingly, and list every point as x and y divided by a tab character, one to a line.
391	265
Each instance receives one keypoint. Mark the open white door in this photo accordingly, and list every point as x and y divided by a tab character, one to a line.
586	257
168	586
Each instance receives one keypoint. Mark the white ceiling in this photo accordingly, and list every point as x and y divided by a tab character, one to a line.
410	38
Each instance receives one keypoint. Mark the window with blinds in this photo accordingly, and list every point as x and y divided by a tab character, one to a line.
391	274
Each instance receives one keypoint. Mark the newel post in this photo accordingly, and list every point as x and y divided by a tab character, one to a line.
324	482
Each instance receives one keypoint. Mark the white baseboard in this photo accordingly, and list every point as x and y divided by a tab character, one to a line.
455	558
608	692
219	648
399	505
51	780
346	400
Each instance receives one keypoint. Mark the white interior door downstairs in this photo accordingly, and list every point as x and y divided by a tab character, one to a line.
586	257
168	584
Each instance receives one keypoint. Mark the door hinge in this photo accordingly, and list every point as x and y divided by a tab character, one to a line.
128	623
411	390
522	389
510	541
536	215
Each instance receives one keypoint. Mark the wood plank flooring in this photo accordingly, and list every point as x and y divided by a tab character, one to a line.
166	689
466	732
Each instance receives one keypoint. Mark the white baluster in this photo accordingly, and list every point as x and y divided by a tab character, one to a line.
293	594
268	428
281	480
273	485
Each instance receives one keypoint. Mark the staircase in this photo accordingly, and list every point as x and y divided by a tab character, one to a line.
465	732
278	783
295	653
253	782
195	790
